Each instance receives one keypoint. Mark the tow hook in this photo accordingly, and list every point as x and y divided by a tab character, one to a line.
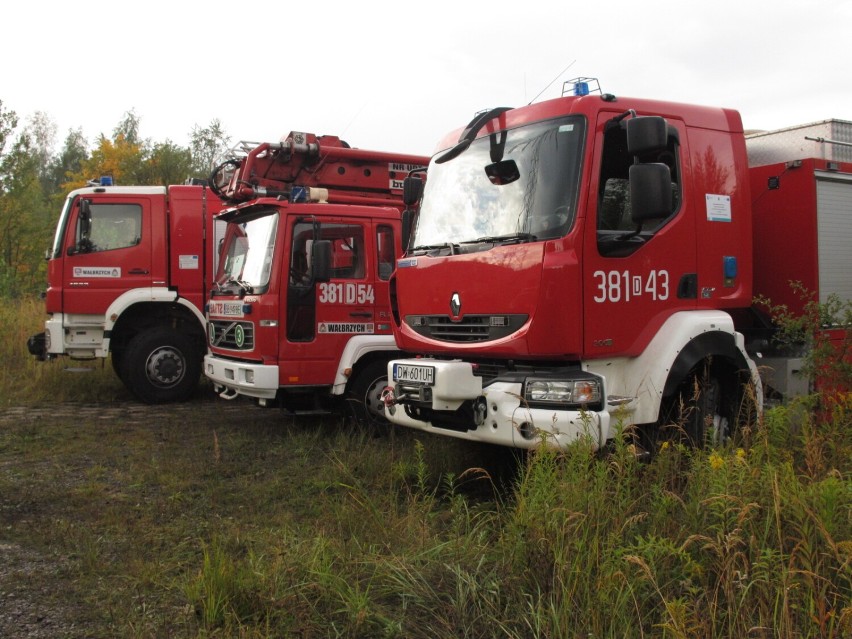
388	398
228	393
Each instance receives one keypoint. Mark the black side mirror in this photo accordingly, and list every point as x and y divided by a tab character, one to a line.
84	243
412	190
650	192
321	261
646	134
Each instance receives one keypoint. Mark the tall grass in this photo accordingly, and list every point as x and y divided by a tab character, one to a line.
740	542
243	523
24	380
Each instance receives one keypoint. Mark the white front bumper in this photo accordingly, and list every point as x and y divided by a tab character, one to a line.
242	378
508	421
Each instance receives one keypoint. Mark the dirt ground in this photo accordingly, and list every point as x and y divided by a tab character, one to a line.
28	609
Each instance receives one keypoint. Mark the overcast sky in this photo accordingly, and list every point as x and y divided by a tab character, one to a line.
397	76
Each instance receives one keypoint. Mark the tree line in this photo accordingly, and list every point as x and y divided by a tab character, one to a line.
35	178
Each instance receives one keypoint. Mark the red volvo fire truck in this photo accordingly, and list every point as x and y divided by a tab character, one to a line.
127	278
298	315
592	259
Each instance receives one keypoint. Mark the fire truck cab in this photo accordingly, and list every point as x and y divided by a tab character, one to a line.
299	315
572	266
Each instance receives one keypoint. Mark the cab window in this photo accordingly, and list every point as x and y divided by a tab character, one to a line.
111	226
617	233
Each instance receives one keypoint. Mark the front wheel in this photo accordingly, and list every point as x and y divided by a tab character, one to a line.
161	365
364	396
706	409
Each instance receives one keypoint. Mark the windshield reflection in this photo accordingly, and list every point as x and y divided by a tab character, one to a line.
523	186
246	257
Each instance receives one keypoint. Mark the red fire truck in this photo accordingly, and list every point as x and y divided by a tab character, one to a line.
592	260
127	277
298	315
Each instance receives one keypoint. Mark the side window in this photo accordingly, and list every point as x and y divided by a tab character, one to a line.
385	252
112	226
347	250
617	233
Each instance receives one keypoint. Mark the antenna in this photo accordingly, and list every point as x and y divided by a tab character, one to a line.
551	82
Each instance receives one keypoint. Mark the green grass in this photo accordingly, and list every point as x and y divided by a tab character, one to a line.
225	520
24	380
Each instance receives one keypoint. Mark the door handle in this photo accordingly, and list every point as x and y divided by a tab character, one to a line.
137	271
360	314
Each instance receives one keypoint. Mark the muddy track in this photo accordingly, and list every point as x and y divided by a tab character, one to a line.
128	412
29	610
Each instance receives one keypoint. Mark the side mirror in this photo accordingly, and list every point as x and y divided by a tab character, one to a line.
646	134
412	190
407	222
321	261
84	243
650	192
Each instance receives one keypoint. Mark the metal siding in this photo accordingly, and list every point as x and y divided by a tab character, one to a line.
783	145
834	234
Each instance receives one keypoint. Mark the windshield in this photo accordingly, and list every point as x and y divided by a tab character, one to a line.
59	237
515	185
246	257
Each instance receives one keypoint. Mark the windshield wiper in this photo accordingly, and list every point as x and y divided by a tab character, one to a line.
244	287
453	248
510	238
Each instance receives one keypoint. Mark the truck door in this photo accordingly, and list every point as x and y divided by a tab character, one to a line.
634	276
321	317
108	251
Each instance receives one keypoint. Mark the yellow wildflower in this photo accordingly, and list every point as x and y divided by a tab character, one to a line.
716	460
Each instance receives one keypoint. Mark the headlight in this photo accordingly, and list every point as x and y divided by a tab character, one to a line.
584	391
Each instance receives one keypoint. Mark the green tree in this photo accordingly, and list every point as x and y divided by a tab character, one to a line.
69	161
8	123
42	133
128	128
120	159
168	164
22	229
207	145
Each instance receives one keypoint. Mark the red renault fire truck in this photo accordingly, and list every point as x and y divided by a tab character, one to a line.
592	260
298	315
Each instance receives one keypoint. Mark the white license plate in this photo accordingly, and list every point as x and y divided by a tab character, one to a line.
417	374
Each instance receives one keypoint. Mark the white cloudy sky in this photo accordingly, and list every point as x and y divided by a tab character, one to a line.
397	76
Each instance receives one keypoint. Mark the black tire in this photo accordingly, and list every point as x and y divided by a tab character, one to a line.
363	396
116	358
704	411
161	365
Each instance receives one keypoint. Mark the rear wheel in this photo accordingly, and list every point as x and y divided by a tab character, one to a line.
161	365
364	396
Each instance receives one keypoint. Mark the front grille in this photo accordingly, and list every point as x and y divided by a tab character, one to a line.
471	328
231	334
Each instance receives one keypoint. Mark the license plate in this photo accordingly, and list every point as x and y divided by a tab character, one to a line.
417	374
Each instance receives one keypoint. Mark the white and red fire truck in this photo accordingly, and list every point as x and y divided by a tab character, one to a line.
592	260
127	277
298	316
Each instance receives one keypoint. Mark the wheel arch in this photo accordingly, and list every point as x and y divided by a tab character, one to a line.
142	315
639	384
719	347
360	351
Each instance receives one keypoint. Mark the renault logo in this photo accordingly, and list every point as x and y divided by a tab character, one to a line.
455	304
